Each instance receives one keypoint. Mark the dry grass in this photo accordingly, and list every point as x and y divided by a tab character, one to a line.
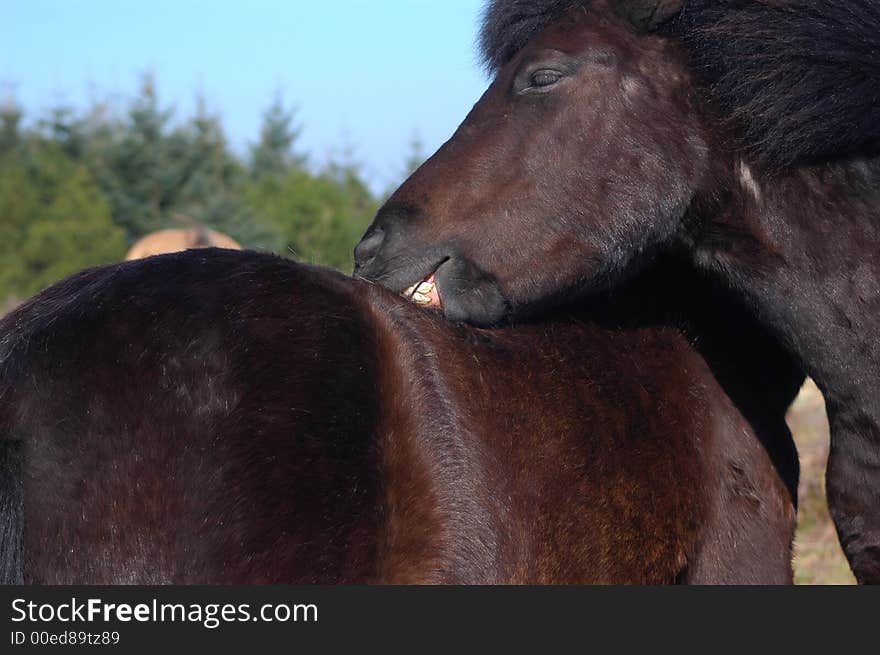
818	557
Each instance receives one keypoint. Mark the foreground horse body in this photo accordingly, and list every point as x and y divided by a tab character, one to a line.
222	417
740	134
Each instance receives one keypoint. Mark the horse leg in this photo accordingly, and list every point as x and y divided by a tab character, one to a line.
853	487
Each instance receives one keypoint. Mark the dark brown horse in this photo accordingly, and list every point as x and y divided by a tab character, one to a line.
742	135
224	417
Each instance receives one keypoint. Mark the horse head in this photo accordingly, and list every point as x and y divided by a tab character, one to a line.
585	151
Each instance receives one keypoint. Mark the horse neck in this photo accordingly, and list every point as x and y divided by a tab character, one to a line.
802	252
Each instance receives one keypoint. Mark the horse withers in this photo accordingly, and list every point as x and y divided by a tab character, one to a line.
224	417
741	135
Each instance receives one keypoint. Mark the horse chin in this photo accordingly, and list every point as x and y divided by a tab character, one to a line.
481	306
462	292
468	294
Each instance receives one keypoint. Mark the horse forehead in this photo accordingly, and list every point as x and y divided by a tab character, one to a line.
585	30
576	31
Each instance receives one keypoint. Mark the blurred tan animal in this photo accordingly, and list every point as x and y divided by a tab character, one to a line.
177	239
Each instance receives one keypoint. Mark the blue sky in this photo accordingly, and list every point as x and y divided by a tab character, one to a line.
367	74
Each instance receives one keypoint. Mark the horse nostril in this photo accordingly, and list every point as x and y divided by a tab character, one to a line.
368	248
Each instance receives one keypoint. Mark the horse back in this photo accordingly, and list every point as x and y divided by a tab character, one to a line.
194	418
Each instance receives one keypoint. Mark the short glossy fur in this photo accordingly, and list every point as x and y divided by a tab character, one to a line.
223	417
740	135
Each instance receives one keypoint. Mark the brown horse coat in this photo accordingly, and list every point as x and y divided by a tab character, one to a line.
225	417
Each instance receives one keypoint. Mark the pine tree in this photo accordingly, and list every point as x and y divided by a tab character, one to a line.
274	152
136	169
10	120
66	130
320	217
55	221
75	189
75	231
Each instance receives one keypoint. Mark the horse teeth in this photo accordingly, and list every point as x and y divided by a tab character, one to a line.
426	288
420	292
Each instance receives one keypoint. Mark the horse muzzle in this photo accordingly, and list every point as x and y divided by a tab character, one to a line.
434	277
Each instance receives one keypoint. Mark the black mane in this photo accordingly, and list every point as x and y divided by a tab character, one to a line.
798	81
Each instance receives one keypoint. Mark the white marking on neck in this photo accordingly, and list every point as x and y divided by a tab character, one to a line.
747	179
631	86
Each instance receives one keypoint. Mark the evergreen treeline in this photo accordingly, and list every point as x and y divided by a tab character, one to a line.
77	190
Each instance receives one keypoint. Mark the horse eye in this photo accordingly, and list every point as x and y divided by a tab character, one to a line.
544	77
